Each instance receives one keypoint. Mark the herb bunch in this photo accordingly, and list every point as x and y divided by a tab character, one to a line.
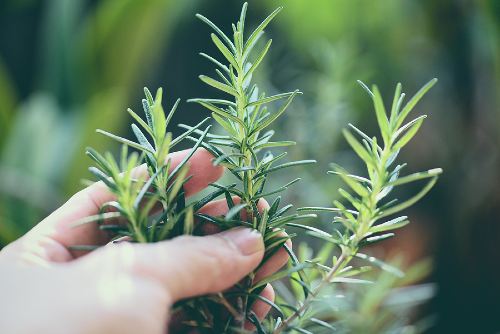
149	197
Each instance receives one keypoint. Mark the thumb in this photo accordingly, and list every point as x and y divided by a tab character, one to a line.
189	266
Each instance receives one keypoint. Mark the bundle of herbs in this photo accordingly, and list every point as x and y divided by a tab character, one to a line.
152	206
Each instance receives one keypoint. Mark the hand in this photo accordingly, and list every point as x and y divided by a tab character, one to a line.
121	288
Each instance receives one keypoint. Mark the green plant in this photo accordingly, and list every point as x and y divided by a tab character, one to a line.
141	189
244	148
245	115
360	218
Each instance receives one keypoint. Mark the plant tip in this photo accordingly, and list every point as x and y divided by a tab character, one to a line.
435	171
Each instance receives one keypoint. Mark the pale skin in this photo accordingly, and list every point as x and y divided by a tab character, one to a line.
121	288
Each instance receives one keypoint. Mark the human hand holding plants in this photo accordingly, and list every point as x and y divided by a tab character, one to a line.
125	287
219	283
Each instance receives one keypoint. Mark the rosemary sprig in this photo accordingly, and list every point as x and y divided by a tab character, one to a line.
243	147
140	190
367	202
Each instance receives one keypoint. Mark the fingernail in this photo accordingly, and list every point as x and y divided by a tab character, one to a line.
247	241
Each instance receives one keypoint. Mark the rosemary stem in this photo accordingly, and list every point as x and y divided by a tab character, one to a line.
342	260
244	161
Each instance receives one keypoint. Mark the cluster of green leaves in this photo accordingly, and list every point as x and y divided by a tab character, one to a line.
149	196
243	148
370	193
361	219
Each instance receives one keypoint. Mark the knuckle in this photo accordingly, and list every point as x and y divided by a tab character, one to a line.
122	256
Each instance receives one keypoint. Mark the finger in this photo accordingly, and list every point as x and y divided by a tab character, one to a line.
87	202
188	266
220	207
275	262
260	307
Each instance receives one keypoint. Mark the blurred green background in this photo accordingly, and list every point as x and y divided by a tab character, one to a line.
68	67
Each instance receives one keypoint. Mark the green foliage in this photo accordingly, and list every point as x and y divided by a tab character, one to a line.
243	148
151	200
367	204
149	197
89	73
243	117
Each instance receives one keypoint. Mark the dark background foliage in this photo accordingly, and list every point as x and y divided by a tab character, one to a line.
68	67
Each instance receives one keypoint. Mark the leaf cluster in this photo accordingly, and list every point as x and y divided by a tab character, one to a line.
367	215
367	196
148	188
245	116
150	196
244	148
